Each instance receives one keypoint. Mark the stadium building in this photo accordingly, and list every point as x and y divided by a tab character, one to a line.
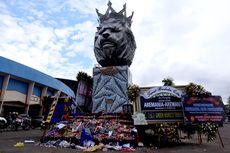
22	88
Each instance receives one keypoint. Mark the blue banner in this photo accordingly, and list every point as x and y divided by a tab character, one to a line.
59	111
206	109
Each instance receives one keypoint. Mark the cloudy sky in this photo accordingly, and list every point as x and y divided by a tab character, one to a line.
187	40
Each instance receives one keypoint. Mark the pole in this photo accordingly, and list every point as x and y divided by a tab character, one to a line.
159	140
199	138
222	144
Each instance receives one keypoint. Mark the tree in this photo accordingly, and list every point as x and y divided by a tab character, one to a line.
227	107
193	89
82	76
168	81
228	102
133	92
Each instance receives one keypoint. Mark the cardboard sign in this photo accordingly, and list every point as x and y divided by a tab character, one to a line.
208	109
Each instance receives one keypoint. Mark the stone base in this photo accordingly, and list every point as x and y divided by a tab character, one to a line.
110	89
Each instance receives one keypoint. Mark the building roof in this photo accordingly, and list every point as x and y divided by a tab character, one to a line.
19	70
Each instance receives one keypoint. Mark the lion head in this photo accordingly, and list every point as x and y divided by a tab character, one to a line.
114	43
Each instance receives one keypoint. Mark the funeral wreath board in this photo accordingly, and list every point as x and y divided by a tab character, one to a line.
205	109
162	106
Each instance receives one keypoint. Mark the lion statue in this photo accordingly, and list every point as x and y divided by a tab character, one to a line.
114	43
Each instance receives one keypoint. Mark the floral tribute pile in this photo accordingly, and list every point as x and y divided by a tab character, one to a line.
87	130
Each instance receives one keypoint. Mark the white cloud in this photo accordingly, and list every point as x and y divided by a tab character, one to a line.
187	40
39	46
85	7
188	44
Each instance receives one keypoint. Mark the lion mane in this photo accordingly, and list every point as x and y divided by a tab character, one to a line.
122	54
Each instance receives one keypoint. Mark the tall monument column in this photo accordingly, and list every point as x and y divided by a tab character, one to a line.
114	48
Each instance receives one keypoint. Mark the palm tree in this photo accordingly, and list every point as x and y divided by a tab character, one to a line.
168	81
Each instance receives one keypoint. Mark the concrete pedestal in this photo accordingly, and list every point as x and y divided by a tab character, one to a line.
110	89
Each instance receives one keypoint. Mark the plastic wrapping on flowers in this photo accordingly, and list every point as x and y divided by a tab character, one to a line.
86	129
209	129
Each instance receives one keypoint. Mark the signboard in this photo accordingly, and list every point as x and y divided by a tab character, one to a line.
162	109
84	95
163	89
210	109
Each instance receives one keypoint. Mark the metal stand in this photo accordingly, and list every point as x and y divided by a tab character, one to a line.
222	144
199	138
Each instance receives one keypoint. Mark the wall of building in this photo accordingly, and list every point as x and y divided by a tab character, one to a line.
35	100
50	92
21	71
37	91
25	87
17	85
1	82
11	96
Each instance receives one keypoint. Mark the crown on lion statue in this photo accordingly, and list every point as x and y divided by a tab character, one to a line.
111	13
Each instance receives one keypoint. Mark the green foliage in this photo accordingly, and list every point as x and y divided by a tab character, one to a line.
193	89
82	76
133	92
168	81
227	109
209	129
168	131
228	102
